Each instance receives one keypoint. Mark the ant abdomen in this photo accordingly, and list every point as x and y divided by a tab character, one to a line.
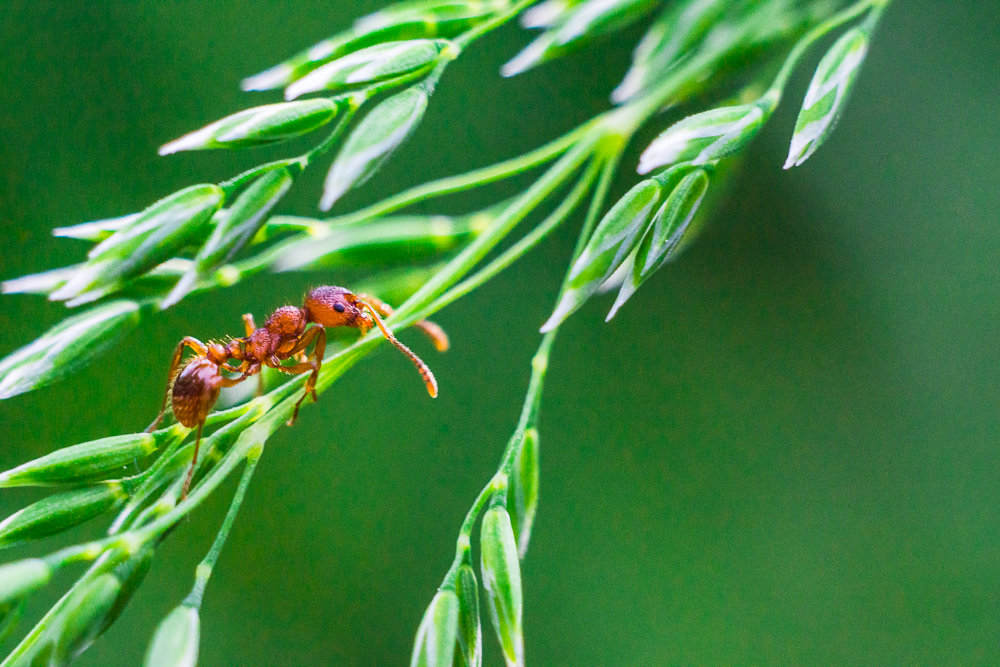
195	391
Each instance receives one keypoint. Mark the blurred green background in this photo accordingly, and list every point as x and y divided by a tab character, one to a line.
783	450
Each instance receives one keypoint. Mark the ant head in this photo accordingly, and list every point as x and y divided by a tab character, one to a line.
286	321
332	306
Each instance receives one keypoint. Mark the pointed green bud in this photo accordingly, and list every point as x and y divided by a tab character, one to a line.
402	21
59	512
546	14
257	126
665	233
469	651
86	462
677	30
388	240
22	578
827	95
175	643
502	580
370	65
436	636
523	490
708	136
574	26
81	616
234	227
66	347
613	239
97	230
154	236
371	143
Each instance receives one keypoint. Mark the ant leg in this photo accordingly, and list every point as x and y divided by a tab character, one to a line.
249	326
194	462
313	363
226	382
199	349
432	330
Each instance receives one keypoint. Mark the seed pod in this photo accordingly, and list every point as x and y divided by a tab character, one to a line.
827	95
97	230
574	26
59	512
546	14
66	347
615	237
370	144
86	462
257	126
678	29
81	617
523	490
469	651
154	236
22	578
234	227
436	636
375	243
666	231
175	643
502	581
708	136
402	21
370	65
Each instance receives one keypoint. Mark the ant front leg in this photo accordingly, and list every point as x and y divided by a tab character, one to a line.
432	330
312	363
199	349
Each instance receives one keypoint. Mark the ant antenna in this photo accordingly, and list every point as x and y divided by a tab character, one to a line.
425	372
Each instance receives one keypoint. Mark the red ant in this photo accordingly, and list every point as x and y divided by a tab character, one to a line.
284	336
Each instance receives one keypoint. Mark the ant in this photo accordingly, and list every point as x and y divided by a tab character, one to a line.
194	390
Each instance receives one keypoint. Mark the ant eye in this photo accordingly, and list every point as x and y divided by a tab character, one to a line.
339	307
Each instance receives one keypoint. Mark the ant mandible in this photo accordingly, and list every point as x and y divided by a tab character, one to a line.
194	390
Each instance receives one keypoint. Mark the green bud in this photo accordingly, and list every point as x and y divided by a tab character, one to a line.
88	461
370	65
523	490
678	29
257	126
154	236
402	21
708	136
374	139
66	347
59	512
44	282
502	580
81	616
130	574
576	25
663	238
234	227
547	14
405	238
613	239
98	230
469	651
436	636
175	643
827	95
22	578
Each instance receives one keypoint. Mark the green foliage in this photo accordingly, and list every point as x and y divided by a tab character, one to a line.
374	83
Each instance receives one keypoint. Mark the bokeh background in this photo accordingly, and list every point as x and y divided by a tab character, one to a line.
783	450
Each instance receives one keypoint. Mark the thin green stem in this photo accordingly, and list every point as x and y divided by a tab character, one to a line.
519	249
816	33
204	570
